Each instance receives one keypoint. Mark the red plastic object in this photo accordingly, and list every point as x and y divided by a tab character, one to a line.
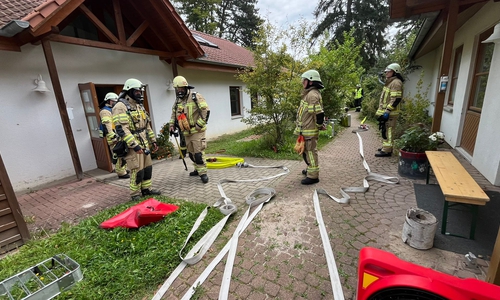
382	275
144	213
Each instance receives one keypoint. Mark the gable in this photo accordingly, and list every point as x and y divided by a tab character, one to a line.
151	27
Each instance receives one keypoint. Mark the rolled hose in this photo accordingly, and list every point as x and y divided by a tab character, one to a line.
223	162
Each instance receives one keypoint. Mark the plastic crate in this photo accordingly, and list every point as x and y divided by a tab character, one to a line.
42	281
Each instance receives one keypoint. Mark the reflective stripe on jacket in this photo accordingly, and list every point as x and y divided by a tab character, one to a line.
196	112
392	90
310	105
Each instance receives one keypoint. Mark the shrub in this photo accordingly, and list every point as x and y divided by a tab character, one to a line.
165	146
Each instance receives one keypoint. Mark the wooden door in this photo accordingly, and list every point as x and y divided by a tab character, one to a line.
91	108
13	229
476	97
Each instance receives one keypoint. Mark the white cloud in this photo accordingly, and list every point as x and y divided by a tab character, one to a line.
286	12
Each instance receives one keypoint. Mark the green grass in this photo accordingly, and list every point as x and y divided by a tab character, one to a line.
120	263
229	144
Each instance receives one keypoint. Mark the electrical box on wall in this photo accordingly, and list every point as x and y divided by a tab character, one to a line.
443	83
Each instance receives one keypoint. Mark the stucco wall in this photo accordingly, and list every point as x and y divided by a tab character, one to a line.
34	146
486	158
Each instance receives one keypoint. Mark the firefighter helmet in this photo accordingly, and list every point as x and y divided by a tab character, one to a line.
111	96
393	67
311	75
134	89
180	81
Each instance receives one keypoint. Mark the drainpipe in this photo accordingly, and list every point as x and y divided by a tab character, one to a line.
13	27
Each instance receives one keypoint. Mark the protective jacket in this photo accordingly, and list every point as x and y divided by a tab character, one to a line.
135	124
359	93
393	89
310	106
107	128
194	107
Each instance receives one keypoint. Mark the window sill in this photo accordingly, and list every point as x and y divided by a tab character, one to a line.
236	117
448	108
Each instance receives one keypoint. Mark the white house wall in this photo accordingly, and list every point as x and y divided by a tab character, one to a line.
34	146
486	156
207	83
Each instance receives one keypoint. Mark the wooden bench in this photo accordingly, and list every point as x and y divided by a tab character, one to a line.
458	187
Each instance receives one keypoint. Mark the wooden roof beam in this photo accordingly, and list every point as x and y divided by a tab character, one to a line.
104	45
137	33
119	22
98	24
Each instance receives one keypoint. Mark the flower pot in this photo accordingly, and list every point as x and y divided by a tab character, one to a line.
412	164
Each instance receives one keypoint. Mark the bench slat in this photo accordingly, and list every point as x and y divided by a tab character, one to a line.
456	183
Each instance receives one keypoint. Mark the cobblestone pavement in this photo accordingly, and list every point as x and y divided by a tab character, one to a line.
280	255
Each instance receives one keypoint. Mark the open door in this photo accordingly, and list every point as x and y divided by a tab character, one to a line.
91	107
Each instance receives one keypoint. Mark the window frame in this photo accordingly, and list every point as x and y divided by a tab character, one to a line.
457	60
479	72
237	101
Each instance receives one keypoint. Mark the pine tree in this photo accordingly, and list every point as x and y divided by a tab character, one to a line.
368	18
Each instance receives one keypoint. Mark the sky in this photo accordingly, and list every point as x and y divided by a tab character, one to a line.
286	12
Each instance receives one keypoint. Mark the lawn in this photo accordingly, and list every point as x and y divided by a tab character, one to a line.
240	145
120	263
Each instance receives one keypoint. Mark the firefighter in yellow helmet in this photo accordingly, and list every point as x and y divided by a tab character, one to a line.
107	130
310	119
133	126
389	108
358	97
191	112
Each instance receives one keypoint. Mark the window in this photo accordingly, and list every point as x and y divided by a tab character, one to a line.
235	97
481	72
454	75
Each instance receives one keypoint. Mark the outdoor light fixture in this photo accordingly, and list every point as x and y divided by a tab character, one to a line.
41	87
170	85
495	36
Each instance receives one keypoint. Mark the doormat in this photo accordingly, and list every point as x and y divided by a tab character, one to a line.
430	198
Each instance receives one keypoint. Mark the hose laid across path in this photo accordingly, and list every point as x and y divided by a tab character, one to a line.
221	162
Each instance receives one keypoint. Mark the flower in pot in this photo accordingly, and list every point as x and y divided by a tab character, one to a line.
412	146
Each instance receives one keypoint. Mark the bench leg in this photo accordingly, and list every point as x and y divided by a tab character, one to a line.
445	217
475	211
428	173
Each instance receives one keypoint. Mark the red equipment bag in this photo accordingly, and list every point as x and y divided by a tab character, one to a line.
382	275
148	211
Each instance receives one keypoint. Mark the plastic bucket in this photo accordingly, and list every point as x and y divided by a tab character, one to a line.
412	165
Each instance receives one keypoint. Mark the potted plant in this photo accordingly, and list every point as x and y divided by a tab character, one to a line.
412	146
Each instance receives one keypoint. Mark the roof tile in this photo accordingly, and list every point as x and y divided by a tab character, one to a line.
17	9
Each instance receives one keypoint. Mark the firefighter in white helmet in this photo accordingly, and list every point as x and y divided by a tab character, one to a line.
389	108
133	126
190	113
310	119
107	130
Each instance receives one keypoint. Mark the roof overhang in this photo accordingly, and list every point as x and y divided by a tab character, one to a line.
432	31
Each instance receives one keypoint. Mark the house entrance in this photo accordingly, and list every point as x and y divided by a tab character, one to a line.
92	94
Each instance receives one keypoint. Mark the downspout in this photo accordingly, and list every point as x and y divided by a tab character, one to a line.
13	27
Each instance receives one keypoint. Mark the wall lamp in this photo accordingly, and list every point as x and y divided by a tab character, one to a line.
170	85
41	87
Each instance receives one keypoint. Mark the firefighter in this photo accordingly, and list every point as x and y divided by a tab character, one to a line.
310	119
133	126
107	130
358	97
191	112
389	108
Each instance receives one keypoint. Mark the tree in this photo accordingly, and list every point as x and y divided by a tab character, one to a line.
340	71
274	81
368	18
234	20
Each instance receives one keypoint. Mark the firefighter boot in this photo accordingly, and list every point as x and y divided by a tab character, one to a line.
194	173
149	192
304	172
136	198
383	154
309	181
204	178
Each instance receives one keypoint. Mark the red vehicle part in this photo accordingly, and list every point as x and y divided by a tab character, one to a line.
144	213
382	275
